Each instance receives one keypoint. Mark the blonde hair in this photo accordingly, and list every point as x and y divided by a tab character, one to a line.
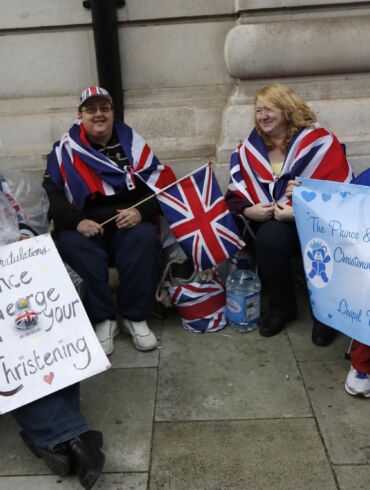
296	111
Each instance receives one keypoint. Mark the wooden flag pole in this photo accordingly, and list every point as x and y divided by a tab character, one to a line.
159	192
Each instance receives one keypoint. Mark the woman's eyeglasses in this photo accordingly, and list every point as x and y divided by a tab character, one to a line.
95	109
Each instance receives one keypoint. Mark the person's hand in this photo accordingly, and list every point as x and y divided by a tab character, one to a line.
290	187
283	212
127	218
22	237
89	228
259	212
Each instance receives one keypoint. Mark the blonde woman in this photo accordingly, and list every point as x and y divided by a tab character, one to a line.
286	142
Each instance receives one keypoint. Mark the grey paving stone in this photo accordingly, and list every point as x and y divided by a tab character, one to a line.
227	375
300	336
118	481
15	458
255	454
353	477
300	332
344	420
120	403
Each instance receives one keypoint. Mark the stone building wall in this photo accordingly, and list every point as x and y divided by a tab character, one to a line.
320	48
189	69
174	76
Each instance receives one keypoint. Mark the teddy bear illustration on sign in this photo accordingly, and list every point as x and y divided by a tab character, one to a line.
319	258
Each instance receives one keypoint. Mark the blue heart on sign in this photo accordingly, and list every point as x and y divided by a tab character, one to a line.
330	315
326	197
344	194
308	196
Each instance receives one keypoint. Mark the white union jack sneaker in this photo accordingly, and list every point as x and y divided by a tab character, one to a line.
357	383
105	332
143	338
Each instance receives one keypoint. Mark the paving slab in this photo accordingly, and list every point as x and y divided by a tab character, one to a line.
353	477
120	481
344	421
300	332
120	403
15	458
239	455
233	412
227	375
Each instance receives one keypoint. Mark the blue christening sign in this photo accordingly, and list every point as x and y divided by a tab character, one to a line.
333	223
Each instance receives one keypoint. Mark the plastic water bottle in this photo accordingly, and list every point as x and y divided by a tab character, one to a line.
243	303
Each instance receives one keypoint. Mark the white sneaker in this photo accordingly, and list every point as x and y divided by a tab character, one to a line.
143	338
106	331
357	383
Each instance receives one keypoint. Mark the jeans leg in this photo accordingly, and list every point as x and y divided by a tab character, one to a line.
71	396
136	252
277	243
90	260
53	419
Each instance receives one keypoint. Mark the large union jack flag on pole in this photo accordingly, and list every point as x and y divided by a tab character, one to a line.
200	220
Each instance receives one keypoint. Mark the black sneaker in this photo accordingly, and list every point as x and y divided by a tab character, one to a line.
87	459
322	335
58	461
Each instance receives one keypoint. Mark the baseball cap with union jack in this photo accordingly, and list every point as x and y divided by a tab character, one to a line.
94	91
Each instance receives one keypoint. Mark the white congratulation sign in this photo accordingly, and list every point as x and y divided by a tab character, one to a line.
46	339
333	224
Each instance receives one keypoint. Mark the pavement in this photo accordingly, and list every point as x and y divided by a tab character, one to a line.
220	411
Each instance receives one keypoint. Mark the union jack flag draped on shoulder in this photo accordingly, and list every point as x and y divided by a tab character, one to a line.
200	220
312	153
81	170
